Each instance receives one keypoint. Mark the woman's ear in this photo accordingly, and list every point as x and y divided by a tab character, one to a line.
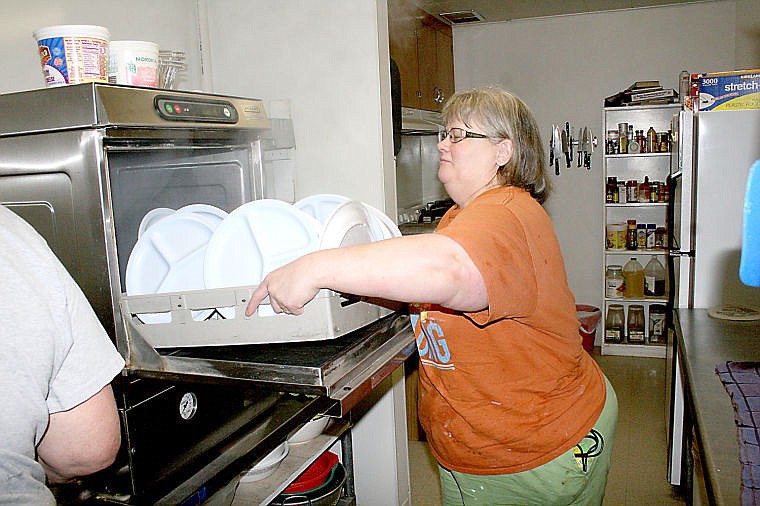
504	153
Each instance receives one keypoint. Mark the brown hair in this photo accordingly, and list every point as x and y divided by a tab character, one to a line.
502	115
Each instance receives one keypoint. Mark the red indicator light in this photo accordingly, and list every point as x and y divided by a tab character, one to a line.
177	109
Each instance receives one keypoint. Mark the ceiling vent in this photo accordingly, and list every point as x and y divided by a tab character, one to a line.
459	17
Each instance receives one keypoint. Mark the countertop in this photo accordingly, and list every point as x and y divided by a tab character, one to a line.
418	228
704	342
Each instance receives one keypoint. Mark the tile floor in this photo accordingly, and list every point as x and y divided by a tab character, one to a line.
639	461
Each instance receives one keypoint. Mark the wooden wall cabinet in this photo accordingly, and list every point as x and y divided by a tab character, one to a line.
422	47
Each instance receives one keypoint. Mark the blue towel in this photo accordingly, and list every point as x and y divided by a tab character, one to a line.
749	267
742	382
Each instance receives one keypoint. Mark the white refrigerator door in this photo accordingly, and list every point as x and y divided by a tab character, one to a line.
727	145
681	231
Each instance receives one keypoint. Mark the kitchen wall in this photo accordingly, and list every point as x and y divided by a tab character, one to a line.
336	75
564	66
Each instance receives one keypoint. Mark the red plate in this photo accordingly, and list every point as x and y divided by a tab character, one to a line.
314	475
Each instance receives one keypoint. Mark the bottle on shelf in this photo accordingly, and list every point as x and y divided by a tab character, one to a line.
636	330
614	327
644	190
651	228
633	279
654	278
657	328
631	191
622	192
654	190
641	141
684	83
652	146
641	236
660	241
614	282
631	239
616	236
611	196
623	138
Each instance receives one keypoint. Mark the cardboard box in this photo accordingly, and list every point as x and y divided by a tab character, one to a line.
726	91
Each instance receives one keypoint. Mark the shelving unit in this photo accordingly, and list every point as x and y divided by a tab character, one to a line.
635	166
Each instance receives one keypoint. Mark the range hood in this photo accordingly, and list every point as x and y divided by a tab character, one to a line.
417	121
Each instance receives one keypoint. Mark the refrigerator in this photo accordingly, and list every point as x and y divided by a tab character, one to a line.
712	154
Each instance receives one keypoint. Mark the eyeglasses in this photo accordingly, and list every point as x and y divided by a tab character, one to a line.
459	134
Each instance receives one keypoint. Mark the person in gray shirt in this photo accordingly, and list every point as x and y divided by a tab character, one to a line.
59	418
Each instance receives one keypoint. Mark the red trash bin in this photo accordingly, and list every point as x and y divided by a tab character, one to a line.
589	317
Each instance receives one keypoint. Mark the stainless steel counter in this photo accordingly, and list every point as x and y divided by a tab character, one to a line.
418	228
704	342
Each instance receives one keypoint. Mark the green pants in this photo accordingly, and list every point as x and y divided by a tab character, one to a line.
577	477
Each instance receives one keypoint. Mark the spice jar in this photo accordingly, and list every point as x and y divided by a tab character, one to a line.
641	235
623	136
613	142
654	189
612	191
652	146
621	192
651	228
631	238
636	324
614	324
631	191
644	190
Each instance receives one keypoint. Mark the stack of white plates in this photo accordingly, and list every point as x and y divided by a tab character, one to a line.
169	254
339	214
201	246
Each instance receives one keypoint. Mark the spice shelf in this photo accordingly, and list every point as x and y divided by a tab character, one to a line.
634	169
640	155
638	204
636	252
635	350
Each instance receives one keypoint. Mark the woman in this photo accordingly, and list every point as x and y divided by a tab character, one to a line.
514	410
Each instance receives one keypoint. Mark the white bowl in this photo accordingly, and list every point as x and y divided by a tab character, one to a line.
312	429
268	465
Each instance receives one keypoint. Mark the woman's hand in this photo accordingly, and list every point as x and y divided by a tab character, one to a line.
289	288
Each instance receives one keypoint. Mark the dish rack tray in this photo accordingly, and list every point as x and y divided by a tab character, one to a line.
329	315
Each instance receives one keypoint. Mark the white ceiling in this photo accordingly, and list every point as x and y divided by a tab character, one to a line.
504	10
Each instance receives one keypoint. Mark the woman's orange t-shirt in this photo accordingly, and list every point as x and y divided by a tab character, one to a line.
508	388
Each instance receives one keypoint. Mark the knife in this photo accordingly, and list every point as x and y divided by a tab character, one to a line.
569	142
551	147
581	146
557	148
565	148
590	150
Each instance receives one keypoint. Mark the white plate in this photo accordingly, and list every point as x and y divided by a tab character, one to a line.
152	217
348	225
257	238
206	212
382	226
168	258
320	206
268	465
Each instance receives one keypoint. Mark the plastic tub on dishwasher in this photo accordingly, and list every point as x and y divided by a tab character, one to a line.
133	62
73	54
